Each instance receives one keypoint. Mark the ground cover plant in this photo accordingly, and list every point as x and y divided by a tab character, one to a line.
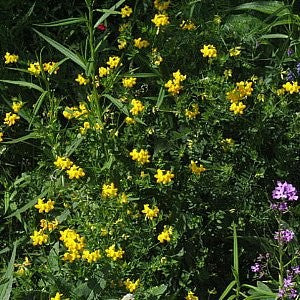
149	150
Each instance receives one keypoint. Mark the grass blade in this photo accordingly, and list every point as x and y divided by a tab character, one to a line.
122	107
227	290
37	106
63	22
62	49
24	83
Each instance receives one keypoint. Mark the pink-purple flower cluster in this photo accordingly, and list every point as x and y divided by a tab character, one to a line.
285	192
284	235
289	284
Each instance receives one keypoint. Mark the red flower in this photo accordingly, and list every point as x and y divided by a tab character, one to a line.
101	27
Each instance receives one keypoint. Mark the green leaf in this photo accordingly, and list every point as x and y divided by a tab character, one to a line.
63	22
259	290
109	12
37	106
32	135
160	97
24	83
268	7
5	289
158	290
141	75
65	51
228	289
235	252
121	106
274	36
70	149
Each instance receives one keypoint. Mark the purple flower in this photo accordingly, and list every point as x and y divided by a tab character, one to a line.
293	294
256	268
285	191
298	68
296	270
288	282
283	206
290	76
284	235
290	51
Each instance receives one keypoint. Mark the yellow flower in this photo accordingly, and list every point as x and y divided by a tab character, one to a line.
113	61
39	238
156	58
227	73
129	120
44	207
122	44
126	11
91	256
150	213
46	225
160	20
237	108
235	51
280	92
192	114
164	178
227	143
103	71
123	199
73	242
86	126
129	82
209	51
243	90
51	67
10	119
165	235
113	254
10	58
57	297
187	25
63	163
141	156
161	5
130	285
217	19
139	43
81	80
16	106
109	190
191	296
34	69
195	169
1	136
291	87
174	85
75	172
137	107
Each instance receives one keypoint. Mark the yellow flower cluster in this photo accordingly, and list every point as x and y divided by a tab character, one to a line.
63	163
91	256
160	20
10	119
1	136
174	85
51	67
137	107
75	112
103	71
164	178
196	169
113	254
44	207
75	172
113	61
109	190
81	80
22	268
165	235
10	58
156	57
141	156
191	296
139	43
235	51
73	242
129	120
161	5
129	82
47	225
187	25
130	285
243	90
122	44
192	114
209	51
34	69
227	143
291	87
72	170
57	296
16	106
150	213
126	11
39	237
